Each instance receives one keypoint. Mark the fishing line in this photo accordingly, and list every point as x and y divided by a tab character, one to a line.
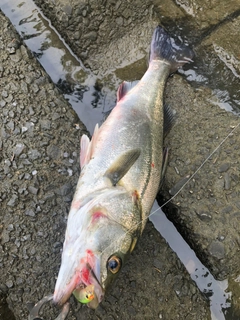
189	179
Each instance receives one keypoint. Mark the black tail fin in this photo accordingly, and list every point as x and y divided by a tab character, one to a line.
163	47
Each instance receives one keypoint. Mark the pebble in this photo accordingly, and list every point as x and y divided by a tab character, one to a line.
224	167
217	250
204	216
227	181
91	35
18	149
34	154
9	283
33	190
13	201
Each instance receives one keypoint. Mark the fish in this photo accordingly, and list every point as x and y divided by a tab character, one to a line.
121	169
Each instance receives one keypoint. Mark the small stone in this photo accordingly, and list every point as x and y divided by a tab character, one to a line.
17	56
224	167
65	189
227	209
76	35
119	21
57	244
2	103
10	227
18	149
131	311
91	36
9	283
30	213
53	151
34	154
70	172
13	201
11	50
227	181
217	249
4	94
4	236
26	162
204	216
7	162
27	176
67	9
45	124
10	125
55	116
33	190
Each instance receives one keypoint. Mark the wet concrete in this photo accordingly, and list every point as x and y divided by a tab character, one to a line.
207	210
39	167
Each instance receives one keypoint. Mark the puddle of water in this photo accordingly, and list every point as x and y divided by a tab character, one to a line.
67	71
85	93
214	73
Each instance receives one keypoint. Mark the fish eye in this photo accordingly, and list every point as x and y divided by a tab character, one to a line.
114	264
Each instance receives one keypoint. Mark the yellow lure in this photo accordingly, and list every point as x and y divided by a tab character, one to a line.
85	295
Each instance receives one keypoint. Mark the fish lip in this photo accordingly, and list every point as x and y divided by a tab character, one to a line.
77	282
61	296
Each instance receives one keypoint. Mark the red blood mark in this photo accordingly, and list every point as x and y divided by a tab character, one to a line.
152	165
85	271
97	215
135	194
85	275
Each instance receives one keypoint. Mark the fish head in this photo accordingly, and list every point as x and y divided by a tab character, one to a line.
97	244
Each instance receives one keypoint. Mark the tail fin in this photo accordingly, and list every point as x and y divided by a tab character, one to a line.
163	47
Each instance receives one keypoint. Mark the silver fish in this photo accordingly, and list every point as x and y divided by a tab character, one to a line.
120	176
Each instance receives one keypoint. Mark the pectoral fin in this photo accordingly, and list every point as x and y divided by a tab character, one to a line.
121	165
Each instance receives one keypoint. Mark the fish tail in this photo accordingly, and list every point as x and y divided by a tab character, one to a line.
163	47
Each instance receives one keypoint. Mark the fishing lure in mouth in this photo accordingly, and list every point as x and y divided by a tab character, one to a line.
84	295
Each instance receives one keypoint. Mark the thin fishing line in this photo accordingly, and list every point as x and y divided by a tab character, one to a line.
199	168
190	178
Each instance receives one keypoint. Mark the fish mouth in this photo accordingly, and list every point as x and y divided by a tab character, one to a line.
84	279
91	294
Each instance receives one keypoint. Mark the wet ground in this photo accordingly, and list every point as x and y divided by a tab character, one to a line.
201	212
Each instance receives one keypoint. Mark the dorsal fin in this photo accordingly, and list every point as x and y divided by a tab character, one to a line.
121	165
124	88
87	147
